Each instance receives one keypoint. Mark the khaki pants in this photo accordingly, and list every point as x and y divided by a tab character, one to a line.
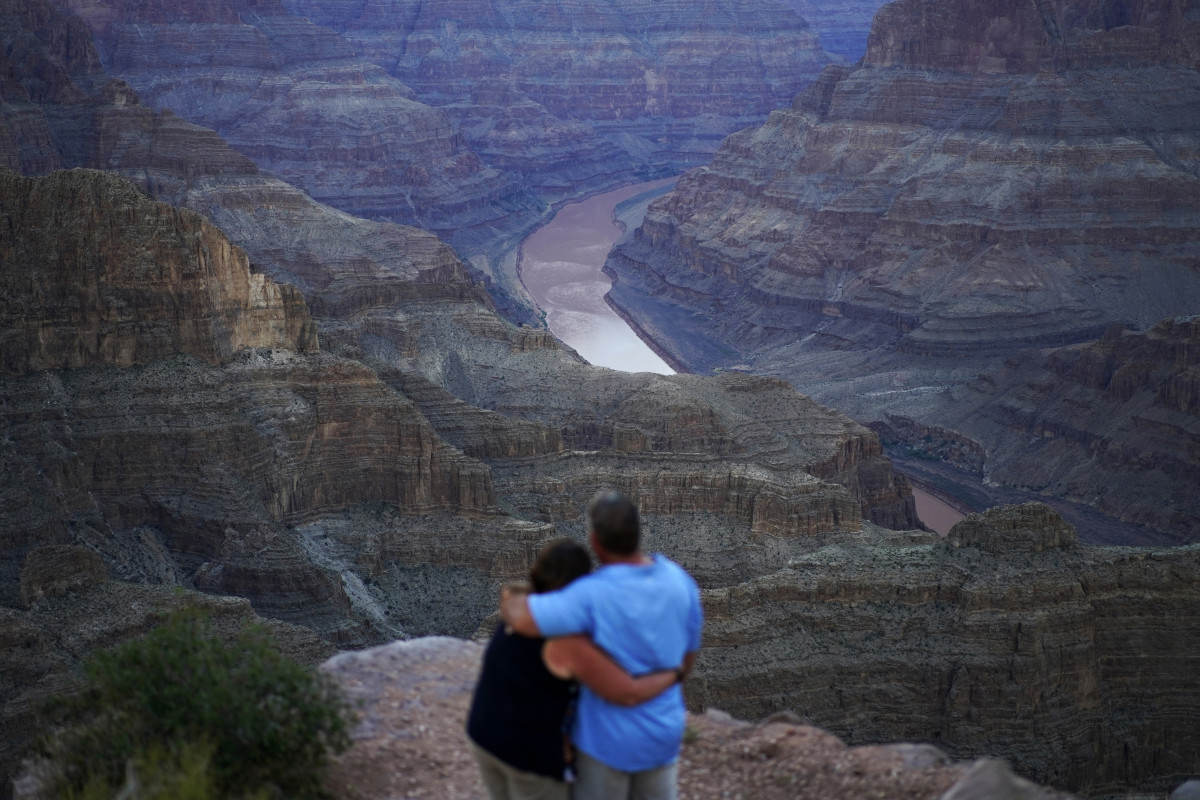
595	780
506	783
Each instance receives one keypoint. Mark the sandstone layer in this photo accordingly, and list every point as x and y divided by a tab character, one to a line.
152	281
1077	663
965	192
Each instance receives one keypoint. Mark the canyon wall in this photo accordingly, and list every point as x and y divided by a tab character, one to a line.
667	78
986	180
296	99
1077	663
1113	423
467	119
374	461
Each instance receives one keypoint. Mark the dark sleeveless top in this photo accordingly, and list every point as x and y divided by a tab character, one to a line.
518	709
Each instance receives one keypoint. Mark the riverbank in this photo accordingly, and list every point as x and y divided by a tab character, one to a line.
560	265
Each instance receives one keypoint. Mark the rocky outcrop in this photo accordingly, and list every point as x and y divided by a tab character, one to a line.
965	192
411	742
151	281
1074	662
293	97
608	86
1113	423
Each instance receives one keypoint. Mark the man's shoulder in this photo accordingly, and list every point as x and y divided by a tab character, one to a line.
673	570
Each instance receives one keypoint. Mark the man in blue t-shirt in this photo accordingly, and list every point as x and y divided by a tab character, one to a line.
645	612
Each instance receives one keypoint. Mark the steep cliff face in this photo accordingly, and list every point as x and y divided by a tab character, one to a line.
1077	663
293	97
152	281
1113	423
666	78
990	178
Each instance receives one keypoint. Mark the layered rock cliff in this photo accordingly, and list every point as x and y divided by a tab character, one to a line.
669	78
513	105
966	191
152	281
1076	663
294	97
1114	423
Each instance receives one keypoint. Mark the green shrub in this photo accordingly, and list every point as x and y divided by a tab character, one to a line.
259	719
161	774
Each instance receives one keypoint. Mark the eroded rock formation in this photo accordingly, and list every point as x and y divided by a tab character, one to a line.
1075	662
150	281
967	191
512	105
1113	422
293	97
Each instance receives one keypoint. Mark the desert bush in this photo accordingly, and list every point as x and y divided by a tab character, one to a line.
260	720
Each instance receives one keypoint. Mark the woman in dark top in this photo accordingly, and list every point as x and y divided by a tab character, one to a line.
520	708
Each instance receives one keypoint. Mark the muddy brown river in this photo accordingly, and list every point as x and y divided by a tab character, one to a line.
560	266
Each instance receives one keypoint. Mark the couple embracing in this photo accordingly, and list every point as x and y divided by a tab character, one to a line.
628	633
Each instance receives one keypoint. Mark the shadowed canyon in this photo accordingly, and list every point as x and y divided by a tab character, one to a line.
266	351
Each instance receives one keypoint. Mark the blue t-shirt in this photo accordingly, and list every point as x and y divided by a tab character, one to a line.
647	617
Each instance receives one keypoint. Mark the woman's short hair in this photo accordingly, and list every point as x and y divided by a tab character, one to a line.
559	563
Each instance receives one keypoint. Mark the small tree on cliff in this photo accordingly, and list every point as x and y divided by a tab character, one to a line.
239	715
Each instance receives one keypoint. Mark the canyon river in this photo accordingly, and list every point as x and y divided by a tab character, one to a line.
937	514
561	266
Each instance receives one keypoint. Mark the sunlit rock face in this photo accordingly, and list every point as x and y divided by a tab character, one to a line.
1075	663
991	177
156	281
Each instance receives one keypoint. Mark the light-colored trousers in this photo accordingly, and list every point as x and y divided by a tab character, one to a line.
595	780
504	782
